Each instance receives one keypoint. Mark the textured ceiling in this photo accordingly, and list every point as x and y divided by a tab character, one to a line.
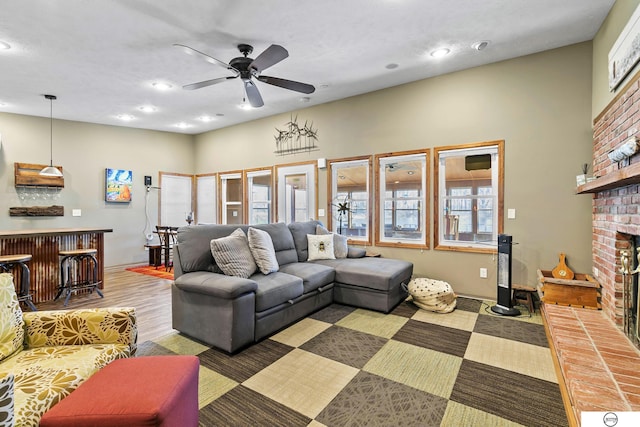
101	57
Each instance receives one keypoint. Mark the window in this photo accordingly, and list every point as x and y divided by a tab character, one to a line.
469	195
175	198
350	198
402	214
259	193
297	189
231	211
206	207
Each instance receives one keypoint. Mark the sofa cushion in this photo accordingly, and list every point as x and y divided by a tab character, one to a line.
313	275
375	273
195	246
44	375
6	399
262	250
11	322
340	246
282	242
320	247
275	289
299	231
233	255
218	285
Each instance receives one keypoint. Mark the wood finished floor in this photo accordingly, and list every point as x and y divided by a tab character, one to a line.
150	296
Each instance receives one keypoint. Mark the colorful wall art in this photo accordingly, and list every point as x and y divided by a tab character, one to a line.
118	183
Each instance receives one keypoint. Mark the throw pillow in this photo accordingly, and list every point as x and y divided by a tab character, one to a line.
233	255
320	246
340	246
262	249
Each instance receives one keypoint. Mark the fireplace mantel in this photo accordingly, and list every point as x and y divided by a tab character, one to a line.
619	178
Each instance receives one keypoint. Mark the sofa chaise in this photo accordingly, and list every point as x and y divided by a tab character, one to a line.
45	355
230	312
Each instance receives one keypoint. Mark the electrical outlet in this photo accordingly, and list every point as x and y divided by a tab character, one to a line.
483	273
76	212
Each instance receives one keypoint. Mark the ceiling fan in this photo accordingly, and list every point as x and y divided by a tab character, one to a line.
248	68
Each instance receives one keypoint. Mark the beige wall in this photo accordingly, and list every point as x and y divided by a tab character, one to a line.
602	43
84	151
539	104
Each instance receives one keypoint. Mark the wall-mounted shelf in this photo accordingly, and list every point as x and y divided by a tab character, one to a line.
28	175
37	211
619	178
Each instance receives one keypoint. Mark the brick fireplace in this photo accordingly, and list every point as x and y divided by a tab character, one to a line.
616	200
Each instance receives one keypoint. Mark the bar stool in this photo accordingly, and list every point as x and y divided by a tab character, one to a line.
78	271
7	263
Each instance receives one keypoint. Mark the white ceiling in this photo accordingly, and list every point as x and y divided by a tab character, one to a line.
100	57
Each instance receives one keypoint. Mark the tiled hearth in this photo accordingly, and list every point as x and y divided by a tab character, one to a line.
600	366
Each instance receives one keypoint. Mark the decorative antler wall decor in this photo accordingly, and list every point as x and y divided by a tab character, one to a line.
296	138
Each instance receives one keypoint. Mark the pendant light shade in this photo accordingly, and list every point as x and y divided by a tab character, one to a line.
51	170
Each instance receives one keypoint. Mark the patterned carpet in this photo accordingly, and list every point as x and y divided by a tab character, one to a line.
344	366
152	271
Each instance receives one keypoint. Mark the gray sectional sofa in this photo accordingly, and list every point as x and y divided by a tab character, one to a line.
231	312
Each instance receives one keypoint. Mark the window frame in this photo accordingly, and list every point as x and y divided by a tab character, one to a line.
381	160
223	203
200	205
310	170
249	174
168	212
333	166
491	147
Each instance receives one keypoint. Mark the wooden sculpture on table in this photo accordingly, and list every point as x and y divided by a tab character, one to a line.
562	271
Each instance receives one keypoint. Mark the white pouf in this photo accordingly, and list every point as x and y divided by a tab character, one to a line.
432	295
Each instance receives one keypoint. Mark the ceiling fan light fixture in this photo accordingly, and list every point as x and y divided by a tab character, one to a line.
51	170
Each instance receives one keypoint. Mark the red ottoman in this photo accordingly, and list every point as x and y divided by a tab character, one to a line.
140	391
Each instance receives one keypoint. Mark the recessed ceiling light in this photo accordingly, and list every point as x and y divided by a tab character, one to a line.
3	104
182	125
125	117
305	99
245	106
439	53
147	109
410	172
391	66
161	85
206	119
4	45
219	114
480	45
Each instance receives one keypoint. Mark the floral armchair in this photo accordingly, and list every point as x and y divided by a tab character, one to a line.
45	355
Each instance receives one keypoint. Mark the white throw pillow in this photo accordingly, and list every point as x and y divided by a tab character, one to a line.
340	246
320	246
233	256
262	249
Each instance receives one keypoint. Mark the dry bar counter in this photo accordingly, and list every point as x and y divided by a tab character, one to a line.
44	246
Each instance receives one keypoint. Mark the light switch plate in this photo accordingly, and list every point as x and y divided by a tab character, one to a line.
511	214
320	212
76	212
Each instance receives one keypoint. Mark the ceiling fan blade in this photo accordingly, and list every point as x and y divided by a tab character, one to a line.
207	83
271	56
287	84
253	95
191	51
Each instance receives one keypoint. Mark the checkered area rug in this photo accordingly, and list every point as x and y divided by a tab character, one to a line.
344	366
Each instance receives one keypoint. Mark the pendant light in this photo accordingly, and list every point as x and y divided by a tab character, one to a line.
51	170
